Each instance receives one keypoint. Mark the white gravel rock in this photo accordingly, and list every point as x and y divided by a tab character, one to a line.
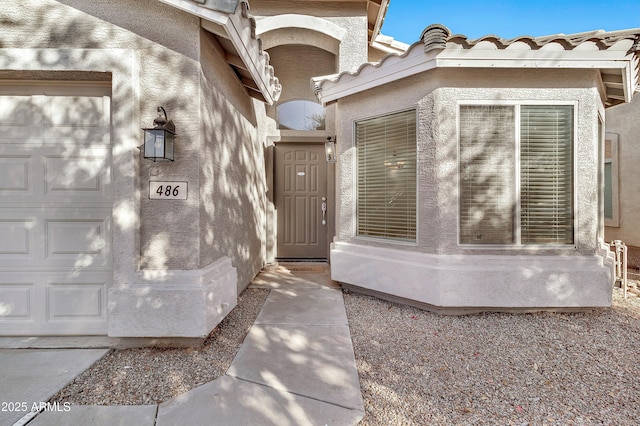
152	375
421	368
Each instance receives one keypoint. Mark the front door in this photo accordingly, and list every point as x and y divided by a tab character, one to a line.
301	201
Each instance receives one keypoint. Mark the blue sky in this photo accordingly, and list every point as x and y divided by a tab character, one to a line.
406	19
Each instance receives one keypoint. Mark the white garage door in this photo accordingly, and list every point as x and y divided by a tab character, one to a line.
55	208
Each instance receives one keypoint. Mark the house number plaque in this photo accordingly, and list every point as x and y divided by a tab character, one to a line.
168	190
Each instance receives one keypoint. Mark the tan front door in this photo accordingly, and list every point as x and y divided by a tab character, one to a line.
301	192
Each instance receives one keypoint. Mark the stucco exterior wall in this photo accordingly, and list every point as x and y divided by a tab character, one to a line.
100	24
308	62
624	121
232	176
437	270
352	16
178	265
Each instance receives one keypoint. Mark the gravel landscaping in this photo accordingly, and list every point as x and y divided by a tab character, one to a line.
420	368
153	375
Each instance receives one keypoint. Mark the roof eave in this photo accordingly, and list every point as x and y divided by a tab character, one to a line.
239	29
376	25
416	61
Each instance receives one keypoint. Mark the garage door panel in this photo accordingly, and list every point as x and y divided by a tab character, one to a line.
16	237
22	241
16	301
55	237
49	120
83	118
19	119
76	302
19	174
77	240
53	302
15	111
46	176
79	175
15	172
76	111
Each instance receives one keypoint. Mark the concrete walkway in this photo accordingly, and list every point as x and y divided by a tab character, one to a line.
295	367
29	377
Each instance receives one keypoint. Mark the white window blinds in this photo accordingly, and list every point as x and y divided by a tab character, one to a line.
487	174
546	176
386	205
494	152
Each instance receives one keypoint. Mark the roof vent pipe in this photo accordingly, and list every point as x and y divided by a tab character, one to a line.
435	37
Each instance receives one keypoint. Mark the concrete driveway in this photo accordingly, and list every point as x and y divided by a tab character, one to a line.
29	377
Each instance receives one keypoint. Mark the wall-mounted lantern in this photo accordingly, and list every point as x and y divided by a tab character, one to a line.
330	149
159	141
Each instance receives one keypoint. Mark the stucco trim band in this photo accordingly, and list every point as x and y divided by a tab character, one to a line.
185	304
288	21
483	281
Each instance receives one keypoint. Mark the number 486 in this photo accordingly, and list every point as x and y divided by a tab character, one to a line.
168	190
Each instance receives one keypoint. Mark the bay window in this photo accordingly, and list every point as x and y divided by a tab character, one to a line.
516	174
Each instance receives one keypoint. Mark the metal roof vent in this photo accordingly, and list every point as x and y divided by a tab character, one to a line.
435	37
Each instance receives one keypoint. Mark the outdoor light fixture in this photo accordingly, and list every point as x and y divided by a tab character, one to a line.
159	141
330	149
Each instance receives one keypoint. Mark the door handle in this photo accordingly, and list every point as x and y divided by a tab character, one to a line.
324	210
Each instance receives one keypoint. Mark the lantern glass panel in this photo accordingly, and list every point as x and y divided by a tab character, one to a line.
153	143
168	146
330	151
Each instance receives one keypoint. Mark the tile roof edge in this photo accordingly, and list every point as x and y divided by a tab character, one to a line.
435	33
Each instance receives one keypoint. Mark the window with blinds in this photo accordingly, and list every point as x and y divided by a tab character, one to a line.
487	174
496	150
546	174
386	203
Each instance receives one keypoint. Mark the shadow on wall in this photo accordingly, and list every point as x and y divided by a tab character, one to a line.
485	181
480	167
226	217
233	183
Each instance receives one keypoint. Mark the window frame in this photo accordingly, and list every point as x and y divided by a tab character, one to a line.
307	101
355	235
614	221
517	244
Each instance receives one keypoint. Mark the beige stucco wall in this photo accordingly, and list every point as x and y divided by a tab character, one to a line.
178	265
624	121
349	15
296	65
431	270
231	171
